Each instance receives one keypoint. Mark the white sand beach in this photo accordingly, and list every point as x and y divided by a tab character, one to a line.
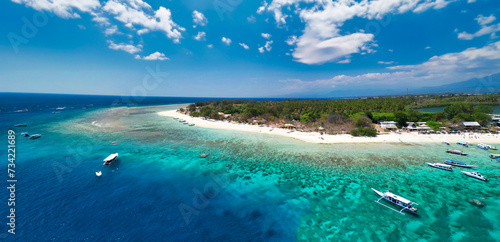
315	137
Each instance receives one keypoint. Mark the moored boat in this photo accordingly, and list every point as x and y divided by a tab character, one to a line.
491	147
446	142
495	156
35	136
98	173
25	134
191	124
464	144
110	159
457	163
20	125
440	166
483	146
456	152
476	175
403	203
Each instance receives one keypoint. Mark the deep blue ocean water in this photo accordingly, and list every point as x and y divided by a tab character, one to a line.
251	187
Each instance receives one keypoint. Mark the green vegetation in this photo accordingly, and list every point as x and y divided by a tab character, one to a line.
356	116
364	132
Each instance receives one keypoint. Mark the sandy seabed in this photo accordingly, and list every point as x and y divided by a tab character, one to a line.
315	137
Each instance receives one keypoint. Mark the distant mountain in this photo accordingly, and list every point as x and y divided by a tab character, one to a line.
488	84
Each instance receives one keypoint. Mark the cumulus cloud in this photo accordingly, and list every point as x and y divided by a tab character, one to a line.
226	41
155	56
199	19
244	46
62	8
200	36
261	49
485	28
265	35
210	46
322	40
125	47
140	14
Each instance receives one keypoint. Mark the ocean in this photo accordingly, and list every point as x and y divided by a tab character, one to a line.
251	187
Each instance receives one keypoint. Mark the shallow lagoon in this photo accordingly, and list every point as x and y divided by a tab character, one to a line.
250	187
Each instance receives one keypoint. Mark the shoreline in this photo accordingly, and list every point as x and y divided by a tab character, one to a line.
314	137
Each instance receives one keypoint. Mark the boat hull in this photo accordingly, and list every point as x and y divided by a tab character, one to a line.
474	176
438	167
452	163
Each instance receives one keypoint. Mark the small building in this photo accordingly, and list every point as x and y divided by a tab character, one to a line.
289	126
471	125
411	126
390	125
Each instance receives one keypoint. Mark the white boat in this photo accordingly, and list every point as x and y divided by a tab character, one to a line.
440	166
476	175
98	173
483	146
491	147
403	203
110	159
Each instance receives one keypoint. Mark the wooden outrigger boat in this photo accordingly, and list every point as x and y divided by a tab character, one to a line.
456	152
457	163
403	203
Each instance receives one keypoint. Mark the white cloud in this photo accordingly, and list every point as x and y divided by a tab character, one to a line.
125	47
138	13
265	35
111	30
482	20
155	56
226	41
311	50
344	61
62	8
261	49
438	70
485	28
210	46
262	8
427	47
322	40
82	27
244	46
291	40
199	19
251	19
200	36
386	62
268	45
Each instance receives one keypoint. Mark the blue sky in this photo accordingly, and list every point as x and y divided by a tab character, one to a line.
235	48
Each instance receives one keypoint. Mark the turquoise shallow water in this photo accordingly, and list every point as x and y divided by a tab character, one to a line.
250	187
